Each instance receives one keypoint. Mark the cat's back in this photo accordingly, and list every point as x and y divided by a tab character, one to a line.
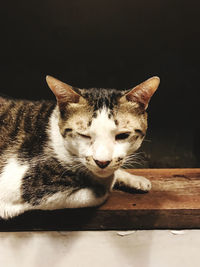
21	120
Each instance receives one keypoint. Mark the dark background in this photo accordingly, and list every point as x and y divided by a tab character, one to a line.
117	44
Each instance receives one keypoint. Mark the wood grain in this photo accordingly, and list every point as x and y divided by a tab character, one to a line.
173	202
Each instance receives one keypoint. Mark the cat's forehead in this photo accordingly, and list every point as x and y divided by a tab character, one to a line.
101	110
99	98
102	123
103	120
97	109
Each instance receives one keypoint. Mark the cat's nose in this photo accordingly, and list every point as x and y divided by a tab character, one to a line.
102	164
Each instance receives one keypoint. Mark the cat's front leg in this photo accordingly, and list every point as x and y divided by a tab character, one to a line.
125	179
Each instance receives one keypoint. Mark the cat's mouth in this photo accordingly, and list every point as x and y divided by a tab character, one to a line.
101	170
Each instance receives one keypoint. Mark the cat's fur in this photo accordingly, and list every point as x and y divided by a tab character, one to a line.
68	154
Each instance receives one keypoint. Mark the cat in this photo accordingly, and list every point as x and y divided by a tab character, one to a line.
71	152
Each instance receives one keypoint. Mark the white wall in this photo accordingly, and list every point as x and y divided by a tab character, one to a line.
100	248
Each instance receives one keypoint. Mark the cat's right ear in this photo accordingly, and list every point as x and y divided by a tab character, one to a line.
63	92
143	92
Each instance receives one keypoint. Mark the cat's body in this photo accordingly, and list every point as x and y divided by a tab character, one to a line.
68	154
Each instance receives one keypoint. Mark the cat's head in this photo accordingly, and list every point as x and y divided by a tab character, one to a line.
103	127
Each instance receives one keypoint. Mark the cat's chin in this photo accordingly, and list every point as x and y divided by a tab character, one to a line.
103	173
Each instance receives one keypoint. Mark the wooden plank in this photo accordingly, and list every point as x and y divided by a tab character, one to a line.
173	202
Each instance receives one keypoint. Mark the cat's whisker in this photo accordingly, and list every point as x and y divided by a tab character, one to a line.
147	140
133	160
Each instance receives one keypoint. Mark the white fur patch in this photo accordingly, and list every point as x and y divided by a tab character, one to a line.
105	147
10	185
80	199
57	142
103	129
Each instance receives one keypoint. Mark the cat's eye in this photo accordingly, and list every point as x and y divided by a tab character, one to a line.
66	131
84	136
122	136
140	132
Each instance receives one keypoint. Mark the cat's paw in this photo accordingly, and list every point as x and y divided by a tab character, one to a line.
138	182
125	179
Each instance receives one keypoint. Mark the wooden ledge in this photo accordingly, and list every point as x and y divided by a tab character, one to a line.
173	202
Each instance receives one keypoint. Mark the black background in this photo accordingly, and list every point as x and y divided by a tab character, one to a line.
117	44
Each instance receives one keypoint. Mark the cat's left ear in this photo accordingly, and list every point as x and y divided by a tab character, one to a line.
143	92
63	92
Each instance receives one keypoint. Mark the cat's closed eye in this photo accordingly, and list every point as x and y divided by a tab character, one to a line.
84	136
122	136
